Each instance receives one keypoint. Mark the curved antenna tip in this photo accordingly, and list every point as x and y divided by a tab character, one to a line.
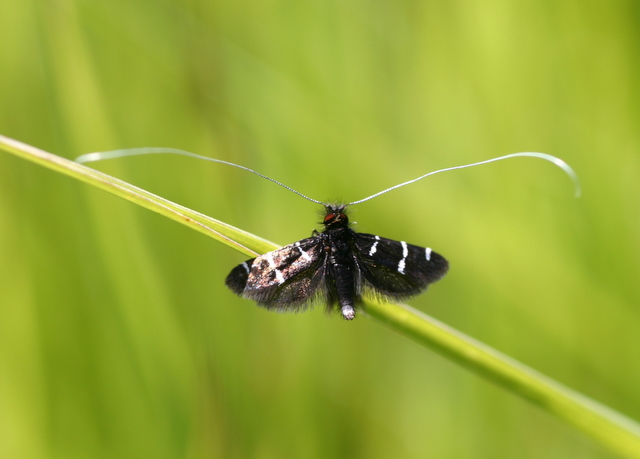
562	164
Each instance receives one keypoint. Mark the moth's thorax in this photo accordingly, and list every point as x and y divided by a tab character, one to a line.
335	217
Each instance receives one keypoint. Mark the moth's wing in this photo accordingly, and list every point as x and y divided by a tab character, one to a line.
395	269
288	279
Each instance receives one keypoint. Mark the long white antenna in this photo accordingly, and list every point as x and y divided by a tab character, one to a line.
557	161
146	151
151	150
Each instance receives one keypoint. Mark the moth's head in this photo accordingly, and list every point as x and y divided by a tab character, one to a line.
335	216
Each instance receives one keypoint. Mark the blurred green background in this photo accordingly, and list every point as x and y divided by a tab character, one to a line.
117	335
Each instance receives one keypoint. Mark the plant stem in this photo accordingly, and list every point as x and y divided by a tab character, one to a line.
619	433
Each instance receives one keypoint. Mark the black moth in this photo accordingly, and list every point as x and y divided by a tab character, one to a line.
336	267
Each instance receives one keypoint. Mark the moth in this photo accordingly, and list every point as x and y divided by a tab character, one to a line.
336	267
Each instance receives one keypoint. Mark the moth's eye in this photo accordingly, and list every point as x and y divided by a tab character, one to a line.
329	217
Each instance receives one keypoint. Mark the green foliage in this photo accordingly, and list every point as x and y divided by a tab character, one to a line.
117	337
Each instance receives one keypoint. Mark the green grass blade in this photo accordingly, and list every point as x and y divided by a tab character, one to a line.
617	432
238	239
610	428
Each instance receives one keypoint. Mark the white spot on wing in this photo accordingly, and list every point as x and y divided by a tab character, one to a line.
405	253
269	257
272	264
427	253
304	254
401	266
246	267
374	247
